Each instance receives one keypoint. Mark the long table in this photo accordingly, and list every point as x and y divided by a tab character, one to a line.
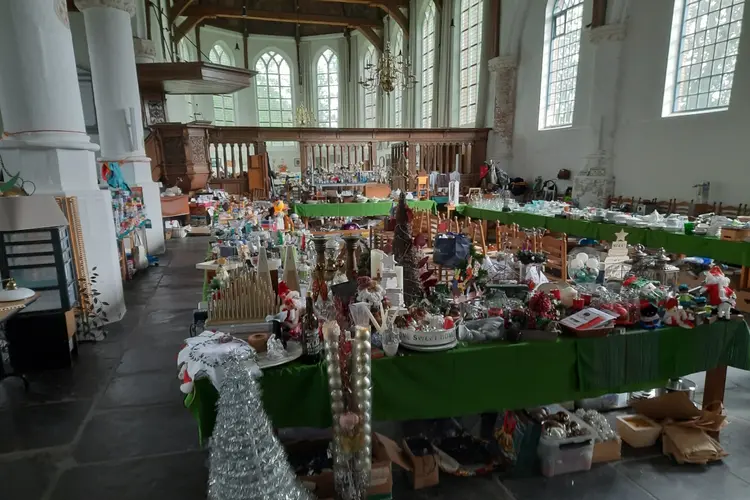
369	209
731	252
478	378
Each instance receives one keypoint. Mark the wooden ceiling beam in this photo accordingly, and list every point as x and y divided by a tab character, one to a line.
390	7
177	9
375	39
280	17
185	26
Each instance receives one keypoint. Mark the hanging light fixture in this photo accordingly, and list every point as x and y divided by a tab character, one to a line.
389	72
303	117
237	46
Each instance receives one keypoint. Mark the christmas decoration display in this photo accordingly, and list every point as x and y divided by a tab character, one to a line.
717	291
247	461
205	356
404	253
248	298
617	264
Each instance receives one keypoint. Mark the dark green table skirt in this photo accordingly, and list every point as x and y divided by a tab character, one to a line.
731	252
478	378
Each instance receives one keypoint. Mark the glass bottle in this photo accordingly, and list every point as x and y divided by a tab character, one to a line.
311	346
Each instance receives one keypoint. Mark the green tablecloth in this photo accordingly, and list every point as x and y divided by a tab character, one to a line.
381	208
478	378
731	252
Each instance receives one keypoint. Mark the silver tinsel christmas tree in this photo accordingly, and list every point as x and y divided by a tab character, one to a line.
247	461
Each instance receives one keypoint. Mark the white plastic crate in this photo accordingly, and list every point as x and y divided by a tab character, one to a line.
561	456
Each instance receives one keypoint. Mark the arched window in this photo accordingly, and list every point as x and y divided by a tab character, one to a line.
398	92
704	46
273	86
563	42
471	49
428	63
185	55
328	89
371	100
224	103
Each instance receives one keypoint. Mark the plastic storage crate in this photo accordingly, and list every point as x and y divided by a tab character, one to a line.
573	454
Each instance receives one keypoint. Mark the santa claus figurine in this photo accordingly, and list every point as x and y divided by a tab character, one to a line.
291	307
676	315
717	292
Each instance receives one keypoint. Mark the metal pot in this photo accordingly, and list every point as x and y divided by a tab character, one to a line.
681	385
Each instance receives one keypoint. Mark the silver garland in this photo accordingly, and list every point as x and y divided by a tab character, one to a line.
247	461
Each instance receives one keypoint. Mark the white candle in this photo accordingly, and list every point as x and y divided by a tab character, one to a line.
376	258
400	277
458	162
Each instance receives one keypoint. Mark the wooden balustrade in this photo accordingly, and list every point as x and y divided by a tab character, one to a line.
188	154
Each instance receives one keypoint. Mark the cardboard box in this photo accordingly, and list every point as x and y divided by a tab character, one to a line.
385	451
638	431
425	469
607	451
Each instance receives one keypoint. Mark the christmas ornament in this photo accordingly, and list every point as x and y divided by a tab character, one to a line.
247	461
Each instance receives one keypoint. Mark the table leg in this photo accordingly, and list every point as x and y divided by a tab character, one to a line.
716	381
745	277
713	391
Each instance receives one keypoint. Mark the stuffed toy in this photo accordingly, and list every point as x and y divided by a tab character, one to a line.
676	315
717	292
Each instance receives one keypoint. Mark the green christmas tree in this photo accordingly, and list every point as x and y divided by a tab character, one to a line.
405	253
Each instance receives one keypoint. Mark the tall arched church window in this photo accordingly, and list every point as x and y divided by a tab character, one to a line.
371	101
327	79
560	74
704	46
428	64
470	51
398	92
224	103
273	87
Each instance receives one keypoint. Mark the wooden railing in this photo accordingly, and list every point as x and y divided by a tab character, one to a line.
222	152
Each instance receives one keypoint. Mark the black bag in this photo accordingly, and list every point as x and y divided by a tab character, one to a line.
451	249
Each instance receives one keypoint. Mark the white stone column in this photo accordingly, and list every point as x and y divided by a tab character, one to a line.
595	183
47	143
118	102
503	71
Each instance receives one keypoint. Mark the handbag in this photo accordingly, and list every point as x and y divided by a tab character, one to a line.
140	256
451	249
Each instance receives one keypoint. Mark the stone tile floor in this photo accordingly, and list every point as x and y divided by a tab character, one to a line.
114	426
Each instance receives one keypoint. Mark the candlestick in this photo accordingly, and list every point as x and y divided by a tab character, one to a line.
376	259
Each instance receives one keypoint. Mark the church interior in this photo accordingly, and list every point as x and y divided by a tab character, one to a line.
374	249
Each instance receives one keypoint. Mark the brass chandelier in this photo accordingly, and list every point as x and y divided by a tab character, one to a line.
303	117
389	72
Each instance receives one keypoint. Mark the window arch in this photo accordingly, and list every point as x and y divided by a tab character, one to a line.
328	89
185	55
428	63
398	92
471	49
273	87
371	98
562	44
224	103
704	46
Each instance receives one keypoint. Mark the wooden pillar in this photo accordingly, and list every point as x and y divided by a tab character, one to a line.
245	56
198	41
599	13
373	152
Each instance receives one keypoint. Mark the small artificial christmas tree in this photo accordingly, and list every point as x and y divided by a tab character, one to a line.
405	253
247	461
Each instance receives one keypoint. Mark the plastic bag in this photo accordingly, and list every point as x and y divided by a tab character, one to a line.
451	249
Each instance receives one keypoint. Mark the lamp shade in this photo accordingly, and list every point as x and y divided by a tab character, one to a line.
24	213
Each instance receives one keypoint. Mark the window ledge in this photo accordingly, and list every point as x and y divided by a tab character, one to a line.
674	114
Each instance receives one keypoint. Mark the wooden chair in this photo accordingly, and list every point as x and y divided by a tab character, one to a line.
423	187
556	250
474	230
663	207
731	210
681	207
704	208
